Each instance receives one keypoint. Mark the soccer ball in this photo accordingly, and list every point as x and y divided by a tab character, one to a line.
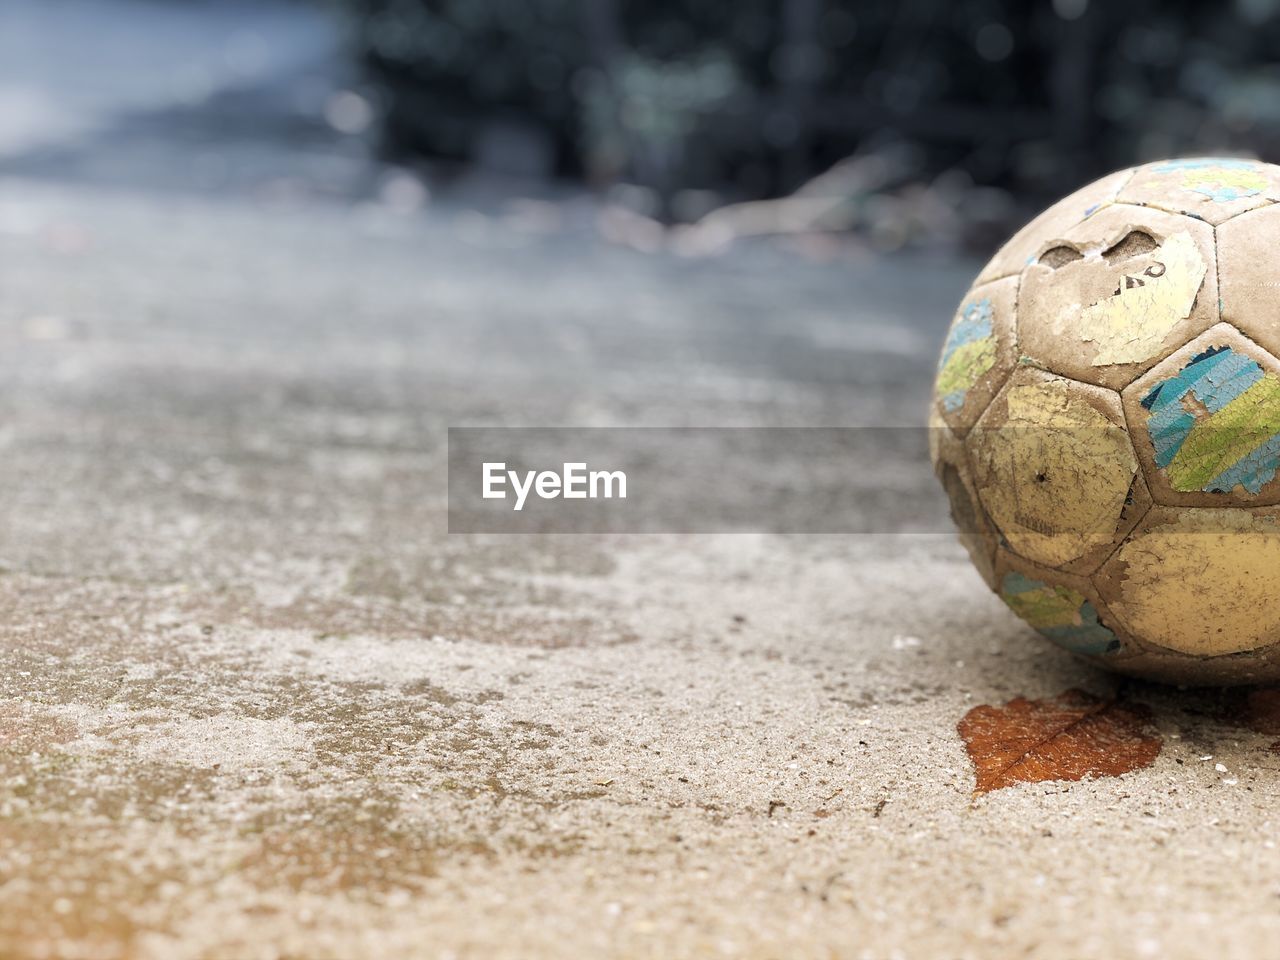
1106	422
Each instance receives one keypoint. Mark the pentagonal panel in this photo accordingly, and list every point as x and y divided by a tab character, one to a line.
1054	469
1060	606
1206	422
975	529
1117	293
1213	189
1025	245
979	353
1247	276
1198	581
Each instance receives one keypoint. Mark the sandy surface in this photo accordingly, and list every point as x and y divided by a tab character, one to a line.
255	702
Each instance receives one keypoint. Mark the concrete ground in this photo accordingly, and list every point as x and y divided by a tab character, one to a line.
256	702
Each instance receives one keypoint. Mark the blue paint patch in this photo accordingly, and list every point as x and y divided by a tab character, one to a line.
1253	472
1214	378
1150	399
1226	194
1086	635
1015	583
1220	179
1089	637
1206	385
976	323
1206	163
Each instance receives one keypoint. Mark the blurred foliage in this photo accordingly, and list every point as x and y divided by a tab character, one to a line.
750	98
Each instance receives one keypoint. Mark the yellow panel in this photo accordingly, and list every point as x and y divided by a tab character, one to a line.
1200	581
1054	475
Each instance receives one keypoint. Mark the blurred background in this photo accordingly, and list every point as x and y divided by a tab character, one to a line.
692	123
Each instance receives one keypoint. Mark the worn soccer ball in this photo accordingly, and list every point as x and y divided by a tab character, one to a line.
1106	421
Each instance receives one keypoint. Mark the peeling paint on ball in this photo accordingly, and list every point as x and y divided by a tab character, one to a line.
969	353
1063	615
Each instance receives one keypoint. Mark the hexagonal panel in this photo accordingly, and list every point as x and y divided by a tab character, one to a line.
1054	469
1213	189
975	529
1250	295
1061	607
1025	245
979	353
1198	581
1206	422
1117	293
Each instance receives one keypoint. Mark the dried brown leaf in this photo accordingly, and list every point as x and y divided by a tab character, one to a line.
1068	737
